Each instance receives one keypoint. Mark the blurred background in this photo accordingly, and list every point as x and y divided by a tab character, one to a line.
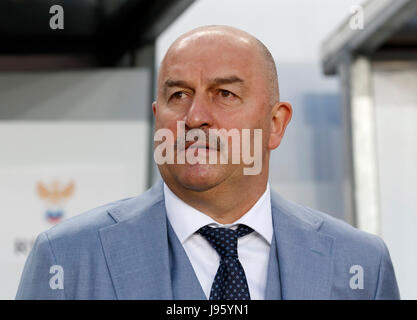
77	79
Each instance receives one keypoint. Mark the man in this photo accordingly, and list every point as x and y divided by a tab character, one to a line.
210	230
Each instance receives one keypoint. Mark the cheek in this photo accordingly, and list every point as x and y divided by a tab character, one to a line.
166	118
170	125
252	117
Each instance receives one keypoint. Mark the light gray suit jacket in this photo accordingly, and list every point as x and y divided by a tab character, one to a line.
128	250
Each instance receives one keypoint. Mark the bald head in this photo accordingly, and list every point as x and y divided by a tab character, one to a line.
229	35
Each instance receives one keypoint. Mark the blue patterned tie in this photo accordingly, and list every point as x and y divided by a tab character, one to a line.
230	280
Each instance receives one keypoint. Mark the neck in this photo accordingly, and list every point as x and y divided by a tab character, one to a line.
226	202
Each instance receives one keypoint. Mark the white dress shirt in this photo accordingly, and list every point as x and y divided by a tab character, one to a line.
253	249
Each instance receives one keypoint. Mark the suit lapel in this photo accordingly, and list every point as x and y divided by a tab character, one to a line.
304	254
136	248
273	284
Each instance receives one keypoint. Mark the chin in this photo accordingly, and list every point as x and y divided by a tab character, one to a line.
201	177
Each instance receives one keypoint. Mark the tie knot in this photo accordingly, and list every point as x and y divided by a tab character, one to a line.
224	240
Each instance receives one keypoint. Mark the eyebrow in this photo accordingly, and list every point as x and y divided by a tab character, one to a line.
216	81
227	80
176	83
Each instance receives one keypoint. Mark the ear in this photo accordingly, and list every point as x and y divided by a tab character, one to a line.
281	114
154	108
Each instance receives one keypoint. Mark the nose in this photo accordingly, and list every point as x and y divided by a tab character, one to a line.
199	114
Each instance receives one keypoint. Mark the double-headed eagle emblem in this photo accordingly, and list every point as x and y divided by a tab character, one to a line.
55	197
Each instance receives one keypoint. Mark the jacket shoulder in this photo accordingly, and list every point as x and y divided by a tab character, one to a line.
88	224
85	223
352	239
353	252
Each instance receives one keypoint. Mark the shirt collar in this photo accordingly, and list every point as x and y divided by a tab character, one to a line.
186	220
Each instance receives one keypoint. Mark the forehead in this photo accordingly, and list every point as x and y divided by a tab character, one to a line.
211	56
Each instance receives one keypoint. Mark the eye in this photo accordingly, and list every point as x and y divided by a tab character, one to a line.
226	94
178	95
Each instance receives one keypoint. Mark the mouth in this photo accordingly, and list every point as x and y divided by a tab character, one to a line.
195	145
